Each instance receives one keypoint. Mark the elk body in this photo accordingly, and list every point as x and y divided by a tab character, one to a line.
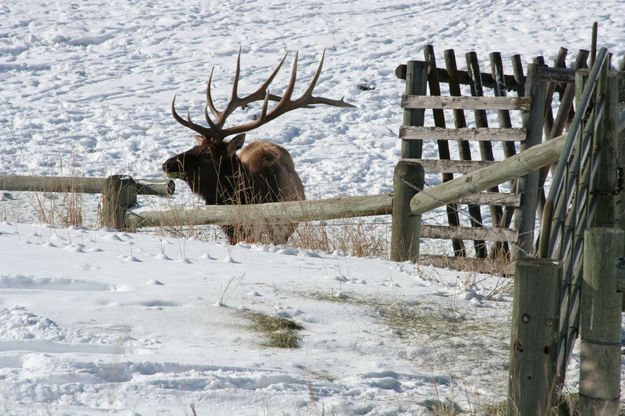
223	174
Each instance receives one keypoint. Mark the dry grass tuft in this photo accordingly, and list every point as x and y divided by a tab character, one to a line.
60	208
279	332
355	236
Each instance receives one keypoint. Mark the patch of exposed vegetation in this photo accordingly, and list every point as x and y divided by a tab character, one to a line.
411	319
336	297
431	320
279	332
442	408
495	409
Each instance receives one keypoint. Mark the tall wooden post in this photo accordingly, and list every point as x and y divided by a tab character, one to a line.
600	365
120	193
416	84
535	320
405	231
533	120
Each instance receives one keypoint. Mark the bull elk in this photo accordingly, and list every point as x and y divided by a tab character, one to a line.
261	172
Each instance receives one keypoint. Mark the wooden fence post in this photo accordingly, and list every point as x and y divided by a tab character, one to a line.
600	365
535	321
525	217
405	229
119	194
416	84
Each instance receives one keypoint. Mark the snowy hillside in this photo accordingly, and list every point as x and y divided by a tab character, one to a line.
100	322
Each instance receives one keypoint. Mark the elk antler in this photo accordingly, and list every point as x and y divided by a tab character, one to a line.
216	128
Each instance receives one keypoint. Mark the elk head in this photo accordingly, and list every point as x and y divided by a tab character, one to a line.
212	168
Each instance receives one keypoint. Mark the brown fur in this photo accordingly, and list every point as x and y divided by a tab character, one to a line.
262	172
269	160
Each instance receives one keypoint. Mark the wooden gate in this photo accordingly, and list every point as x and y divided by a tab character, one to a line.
504	214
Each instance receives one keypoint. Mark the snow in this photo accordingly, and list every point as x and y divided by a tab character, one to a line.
95	321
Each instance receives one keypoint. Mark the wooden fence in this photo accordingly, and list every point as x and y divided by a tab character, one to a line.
510	221
574	277
119	192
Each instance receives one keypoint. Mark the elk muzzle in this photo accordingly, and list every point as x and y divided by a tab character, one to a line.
174	168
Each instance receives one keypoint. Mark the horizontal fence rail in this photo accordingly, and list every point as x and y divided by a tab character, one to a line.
477	133
468	233
80	185
511	82
465	103
462	77
482	179
452	166
275	212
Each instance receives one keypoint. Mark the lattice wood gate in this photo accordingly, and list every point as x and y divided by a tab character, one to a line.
491	219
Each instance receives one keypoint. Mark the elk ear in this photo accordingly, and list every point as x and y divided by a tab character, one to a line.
235	144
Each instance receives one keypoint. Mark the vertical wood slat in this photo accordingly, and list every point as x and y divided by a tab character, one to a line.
565	110
481	120
517	69
443	145
416	84
475	212
560	62
503	118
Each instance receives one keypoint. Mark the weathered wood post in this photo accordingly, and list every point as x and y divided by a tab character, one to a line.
119	194
405	230
416	84
535	320
600	366
525	217
408	176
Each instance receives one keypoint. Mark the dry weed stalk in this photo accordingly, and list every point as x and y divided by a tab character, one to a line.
355	236
60	208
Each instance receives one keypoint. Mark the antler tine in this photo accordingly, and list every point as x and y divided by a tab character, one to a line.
286	98
259	94
313	83
210	122
311	100
216	130
209	97
237	74
220	116
286	104
206	132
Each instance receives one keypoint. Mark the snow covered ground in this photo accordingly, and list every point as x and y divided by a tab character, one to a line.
99	322
94	321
